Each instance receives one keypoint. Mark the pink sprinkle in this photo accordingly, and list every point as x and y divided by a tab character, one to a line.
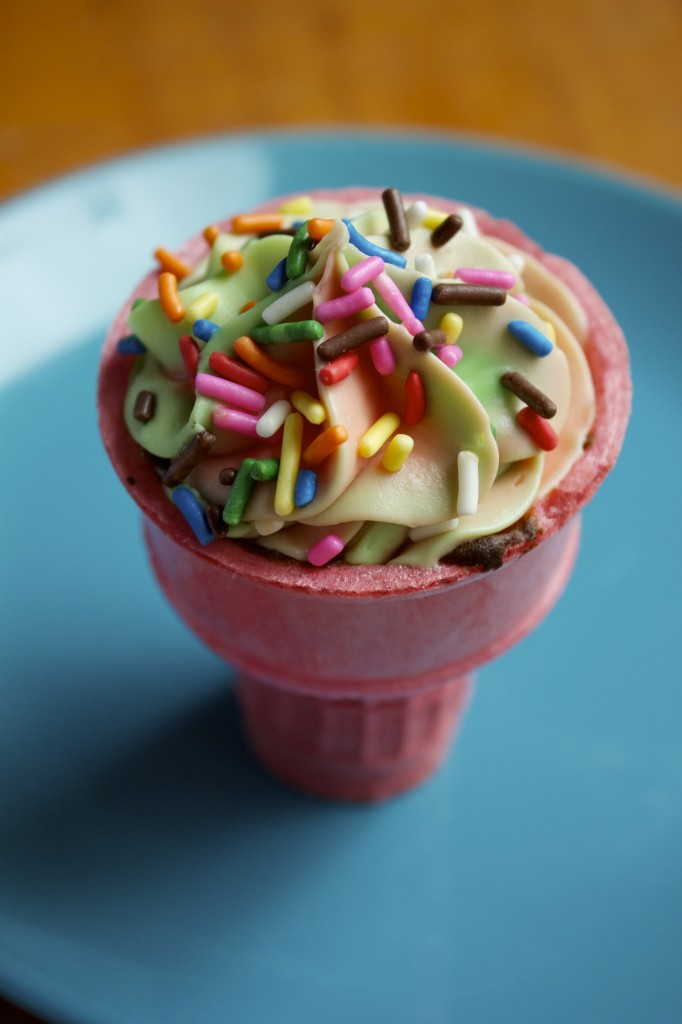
450	355
346	305
361	273
233	419
413	325
382	356
522	298
478	275
326	549
393	297
228	391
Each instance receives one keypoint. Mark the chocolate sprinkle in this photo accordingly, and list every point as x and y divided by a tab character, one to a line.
399	231
489	552
358	334
468	295
145	406
446	230
528	393
227	475
189	457
426	340
279	231
214	517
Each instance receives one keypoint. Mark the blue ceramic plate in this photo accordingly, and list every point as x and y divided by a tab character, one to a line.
150	873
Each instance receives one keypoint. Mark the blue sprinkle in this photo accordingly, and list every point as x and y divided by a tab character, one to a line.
370	249
130	346
306	487
421	297
538	343
204	329
185	500
277	278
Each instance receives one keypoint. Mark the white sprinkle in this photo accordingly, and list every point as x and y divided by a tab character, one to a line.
273	418
288	303
433	530
265	527
518	262
415	214
467	470
424	264
469	222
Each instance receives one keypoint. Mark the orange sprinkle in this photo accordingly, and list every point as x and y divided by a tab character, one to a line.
248	305
171	263
324	444
249	351
169	298
232	260
211	233
255	223
319	227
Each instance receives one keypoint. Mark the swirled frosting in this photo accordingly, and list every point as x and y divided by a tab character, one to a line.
413	441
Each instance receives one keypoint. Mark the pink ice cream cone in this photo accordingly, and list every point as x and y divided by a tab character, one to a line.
352	679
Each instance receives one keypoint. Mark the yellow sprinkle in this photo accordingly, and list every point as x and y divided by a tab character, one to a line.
452	324
399	448
288	464
203	306
300	204
433	218
313	410
549	330
372	440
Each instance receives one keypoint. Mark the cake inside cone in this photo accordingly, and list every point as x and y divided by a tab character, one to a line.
362	378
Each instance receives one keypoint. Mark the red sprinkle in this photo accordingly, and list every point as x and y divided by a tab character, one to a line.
339	368
538	429
415	399
230	369
189	350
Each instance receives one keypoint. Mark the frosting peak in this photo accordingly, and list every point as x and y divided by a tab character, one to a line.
317	383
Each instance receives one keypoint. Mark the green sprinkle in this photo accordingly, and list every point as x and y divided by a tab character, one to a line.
137	303
297	257
280	334
264	469
240	493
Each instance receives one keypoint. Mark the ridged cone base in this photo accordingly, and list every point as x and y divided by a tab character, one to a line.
351	749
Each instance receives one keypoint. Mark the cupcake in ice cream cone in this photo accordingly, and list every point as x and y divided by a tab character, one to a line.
361	427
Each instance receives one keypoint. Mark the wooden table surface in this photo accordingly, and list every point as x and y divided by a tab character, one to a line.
89	79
